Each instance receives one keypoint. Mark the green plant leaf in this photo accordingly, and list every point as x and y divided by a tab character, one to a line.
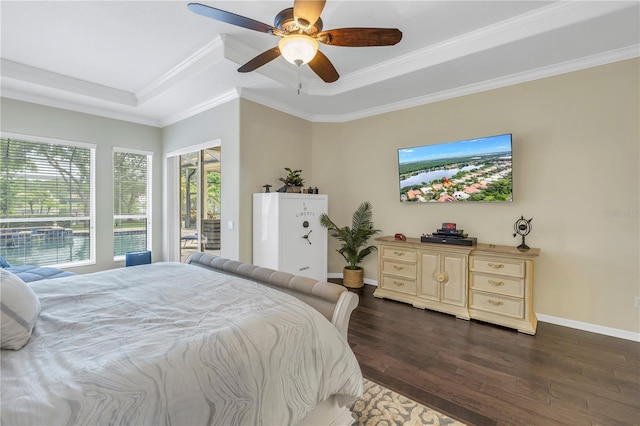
353	238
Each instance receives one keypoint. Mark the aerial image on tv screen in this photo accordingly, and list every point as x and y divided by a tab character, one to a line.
468	170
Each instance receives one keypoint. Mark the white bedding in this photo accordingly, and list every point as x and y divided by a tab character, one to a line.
176	344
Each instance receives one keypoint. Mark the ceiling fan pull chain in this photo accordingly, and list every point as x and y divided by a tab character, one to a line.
299	81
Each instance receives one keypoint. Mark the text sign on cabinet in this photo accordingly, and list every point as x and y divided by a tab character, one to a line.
305	212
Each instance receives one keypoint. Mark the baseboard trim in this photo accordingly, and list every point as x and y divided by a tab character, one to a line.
578	325
593	328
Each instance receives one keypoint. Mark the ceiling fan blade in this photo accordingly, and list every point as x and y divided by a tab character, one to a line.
360	37
307	10
230	18
322	66
260	60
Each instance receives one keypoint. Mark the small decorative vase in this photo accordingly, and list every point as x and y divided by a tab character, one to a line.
294	189
353	278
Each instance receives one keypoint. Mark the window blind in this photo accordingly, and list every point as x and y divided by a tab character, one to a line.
131	201
47	202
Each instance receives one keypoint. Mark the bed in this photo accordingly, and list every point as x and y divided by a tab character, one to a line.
213	341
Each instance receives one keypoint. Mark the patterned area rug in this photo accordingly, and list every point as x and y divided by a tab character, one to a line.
380	406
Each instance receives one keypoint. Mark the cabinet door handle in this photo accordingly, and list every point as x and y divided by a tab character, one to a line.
495	303
398	283
496	265
442	277
399	253
496	283
398	268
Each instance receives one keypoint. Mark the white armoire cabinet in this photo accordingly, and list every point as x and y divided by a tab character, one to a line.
287	235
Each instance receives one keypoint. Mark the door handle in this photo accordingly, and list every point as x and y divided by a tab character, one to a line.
306	236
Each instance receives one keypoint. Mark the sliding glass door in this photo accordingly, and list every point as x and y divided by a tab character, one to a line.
200	183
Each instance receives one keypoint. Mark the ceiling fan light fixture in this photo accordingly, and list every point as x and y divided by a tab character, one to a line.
298	49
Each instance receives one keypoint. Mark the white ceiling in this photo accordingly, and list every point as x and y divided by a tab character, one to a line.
155	62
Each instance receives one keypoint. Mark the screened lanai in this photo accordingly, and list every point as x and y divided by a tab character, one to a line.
200	209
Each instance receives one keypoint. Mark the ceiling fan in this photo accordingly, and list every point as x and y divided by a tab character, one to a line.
300	29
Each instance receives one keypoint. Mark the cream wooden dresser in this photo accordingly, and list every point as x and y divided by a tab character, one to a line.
487	282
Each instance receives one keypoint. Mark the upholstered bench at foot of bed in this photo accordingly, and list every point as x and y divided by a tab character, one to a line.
333	301
30	273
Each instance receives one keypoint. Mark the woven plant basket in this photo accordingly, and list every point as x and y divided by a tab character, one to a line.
353	278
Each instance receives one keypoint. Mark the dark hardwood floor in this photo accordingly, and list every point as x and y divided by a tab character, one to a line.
481	374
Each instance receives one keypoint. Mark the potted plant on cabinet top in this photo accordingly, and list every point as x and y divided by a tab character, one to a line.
293	182
354	239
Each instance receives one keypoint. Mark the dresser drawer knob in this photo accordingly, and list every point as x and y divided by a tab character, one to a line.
496	265
399	253
496	283
495	303
398	283
398	268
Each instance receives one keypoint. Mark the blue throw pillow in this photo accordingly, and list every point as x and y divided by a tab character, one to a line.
4	263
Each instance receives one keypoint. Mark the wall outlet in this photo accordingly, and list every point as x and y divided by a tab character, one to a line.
638	302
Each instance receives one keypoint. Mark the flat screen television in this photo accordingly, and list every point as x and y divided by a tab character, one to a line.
471	170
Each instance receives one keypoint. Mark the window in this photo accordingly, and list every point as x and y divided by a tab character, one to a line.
47	203
131	201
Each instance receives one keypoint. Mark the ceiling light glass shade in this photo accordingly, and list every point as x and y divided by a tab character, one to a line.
298	48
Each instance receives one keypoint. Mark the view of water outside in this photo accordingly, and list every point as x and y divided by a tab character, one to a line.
431	176
72	249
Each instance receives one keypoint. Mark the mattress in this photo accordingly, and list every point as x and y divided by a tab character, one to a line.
170	343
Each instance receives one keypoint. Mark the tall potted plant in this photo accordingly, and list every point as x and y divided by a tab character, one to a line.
354	242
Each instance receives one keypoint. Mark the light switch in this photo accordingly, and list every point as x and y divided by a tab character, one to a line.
230	224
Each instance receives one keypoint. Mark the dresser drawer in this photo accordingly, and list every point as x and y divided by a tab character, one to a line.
399	284
497	304
511	267
398	253
509	286
407	270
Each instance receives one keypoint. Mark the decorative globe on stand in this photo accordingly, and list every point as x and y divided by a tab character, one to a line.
522	227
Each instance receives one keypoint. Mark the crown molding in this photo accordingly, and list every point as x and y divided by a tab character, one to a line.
256	97
33	75
77	107
205	106
550	71
541	20
536	74
538	21
203	58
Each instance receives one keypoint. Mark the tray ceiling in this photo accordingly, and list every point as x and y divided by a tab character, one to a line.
155	62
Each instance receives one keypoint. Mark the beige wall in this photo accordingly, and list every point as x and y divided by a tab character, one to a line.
39	120
576	160
269	141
